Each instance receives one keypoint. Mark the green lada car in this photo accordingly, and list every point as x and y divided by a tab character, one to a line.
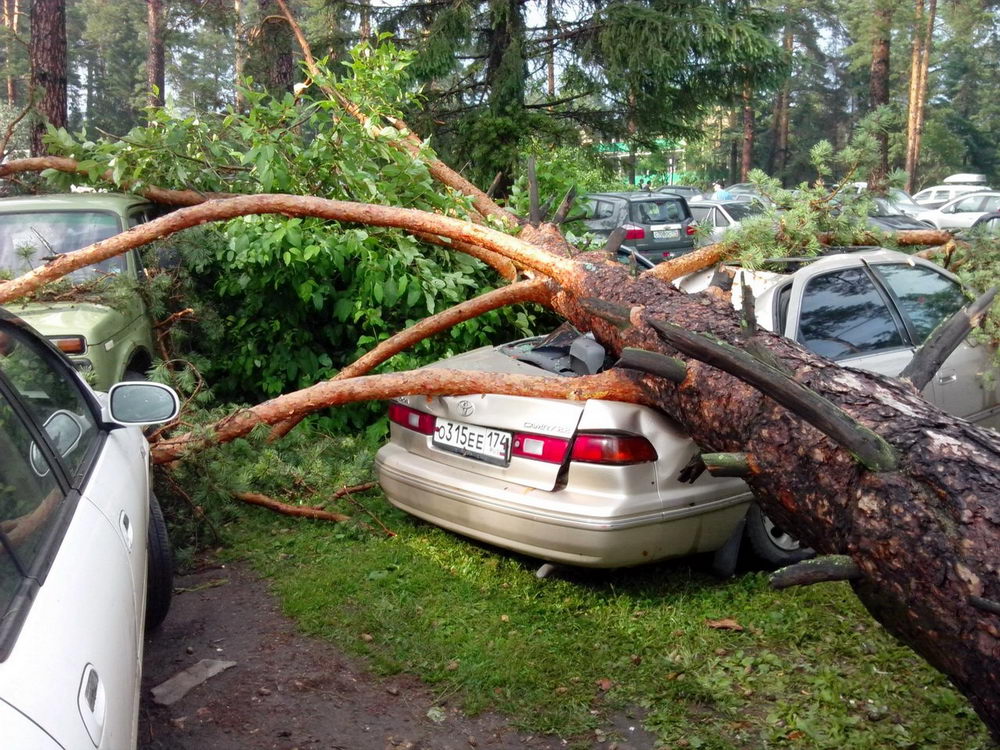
103	325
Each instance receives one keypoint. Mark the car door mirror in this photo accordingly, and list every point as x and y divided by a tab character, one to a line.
64	431
135	403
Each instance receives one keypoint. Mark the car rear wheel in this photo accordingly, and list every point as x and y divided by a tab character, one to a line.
770	543
160	567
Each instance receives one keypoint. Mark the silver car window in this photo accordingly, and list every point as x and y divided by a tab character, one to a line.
29	500
844	315
926	297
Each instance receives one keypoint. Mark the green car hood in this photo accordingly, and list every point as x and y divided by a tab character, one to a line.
96	323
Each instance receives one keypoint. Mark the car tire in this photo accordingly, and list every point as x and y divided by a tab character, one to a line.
769	543
160	567
134	375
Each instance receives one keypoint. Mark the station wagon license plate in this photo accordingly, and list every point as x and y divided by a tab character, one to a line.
666	234
482	443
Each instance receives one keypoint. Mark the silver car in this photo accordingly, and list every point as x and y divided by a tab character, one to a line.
596	483
85	562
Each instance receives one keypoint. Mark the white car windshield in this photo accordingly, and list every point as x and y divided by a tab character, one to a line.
29	239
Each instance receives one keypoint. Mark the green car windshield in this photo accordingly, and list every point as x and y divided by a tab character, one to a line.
29	239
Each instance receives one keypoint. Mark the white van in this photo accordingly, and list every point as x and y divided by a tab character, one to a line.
952	187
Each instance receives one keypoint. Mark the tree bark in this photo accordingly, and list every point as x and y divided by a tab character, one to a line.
155	54
879	90
48	67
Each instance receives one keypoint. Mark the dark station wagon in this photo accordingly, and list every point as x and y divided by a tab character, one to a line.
658	226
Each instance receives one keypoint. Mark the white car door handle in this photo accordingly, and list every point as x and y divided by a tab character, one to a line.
93	704
945	379
126	527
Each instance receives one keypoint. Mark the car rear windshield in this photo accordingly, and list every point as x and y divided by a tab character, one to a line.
28	240
740	211
654	211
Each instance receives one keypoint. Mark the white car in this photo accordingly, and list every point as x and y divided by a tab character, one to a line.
963	211
597	483
85	562
721	216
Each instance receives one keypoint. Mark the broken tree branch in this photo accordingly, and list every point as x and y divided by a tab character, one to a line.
945	339
519	251
614	385
255	498
870	449
817	570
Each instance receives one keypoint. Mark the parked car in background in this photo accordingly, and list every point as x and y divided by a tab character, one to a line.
721	216
596	483
657	226
898	201
688	192
108	340
963	211
85	563
885	215
954	186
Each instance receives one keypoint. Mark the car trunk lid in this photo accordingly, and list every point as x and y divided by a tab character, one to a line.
535	428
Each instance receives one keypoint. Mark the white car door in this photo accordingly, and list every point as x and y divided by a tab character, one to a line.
70	630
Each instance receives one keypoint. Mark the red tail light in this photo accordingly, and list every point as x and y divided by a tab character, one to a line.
633	232
612	449
690	229
540	447
411	419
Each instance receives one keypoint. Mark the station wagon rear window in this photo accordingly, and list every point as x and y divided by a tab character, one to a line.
29	239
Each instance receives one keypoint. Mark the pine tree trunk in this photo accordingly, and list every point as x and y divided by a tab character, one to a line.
11	10
922	84
746	162
47	53
879	90
923	29
269	55
155	54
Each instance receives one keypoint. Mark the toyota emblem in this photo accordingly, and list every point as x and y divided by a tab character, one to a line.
466	408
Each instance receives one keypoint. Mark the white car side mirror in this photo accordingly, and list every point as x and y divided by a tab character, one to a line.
141	403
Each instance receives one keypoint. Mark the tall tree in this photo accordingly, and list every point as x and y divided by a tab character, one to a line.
746	160
269	59
11	23
48	67
923	37
155	56
879	86
779	150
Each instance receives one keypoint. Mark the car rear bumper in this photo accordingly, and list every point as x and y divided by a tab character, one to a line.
536	523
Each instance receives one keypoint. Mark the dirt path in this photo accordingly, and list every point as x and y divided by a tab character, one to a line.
291	692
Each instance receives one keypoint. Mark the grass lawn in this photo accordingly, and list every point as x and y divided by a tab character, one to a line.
803	668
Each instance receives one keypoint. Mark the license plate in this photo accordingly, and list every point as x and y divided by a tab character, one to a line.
666	234
481	443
